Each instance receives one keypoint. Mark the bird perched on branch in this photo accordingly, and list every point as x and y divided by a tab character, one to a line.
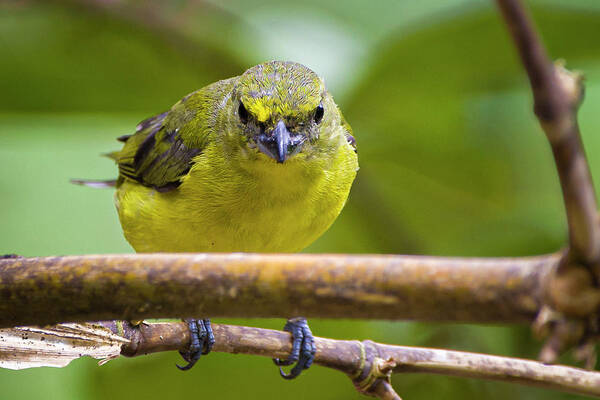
262	162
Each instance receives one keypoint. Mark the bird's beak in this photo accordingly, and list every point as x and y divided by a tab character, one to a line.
280	144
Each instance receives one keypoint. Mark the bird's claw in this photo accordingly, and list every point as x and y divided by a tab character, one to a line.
303	348
201	342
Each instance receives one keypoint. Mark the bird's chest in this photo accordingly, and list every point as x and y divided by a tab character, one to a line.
282	210
264	208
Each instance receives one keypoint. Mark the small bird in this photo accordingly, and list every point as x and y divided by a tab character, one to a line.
262	162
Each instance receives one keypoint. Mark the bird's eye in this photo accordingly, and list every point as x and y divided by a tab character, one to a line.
319	112
243	113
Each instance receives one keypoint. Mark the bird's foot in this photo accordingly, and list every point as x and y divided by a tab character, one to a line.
201	342
303	348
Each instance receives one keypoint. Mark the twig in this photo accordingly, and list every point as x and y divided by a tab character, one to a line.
37	291
367	363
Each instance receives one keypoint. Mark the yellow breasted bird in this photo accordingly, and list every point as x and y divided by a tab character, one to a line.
262	162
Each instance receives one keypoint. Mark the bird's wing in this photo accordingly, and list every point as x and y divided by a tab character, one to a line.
157	154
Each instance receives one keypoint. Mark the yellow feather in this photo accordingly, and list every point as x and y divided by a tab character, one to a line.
235	197
239	205
260	109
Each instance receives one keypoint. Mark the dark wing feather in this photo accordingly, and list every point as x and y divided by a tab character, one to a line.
162	149
154	156
123	138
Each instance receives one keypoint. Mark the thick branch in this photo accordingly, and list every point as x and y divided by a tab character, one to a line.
35	291
356	359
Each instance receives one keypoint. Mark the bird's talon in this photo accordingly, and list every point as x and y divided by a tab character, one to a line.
202	340
210	337
185	367
303	348
283	363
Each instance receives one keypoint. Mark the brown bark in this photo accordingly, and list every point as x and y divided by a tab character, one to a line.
77	288
572	294
368	364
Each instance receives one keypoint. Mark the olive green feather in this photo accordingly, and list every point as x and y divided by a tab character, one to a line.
209	175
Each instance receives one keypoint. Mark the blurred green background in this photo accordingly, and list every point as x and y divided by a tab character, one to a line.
452	160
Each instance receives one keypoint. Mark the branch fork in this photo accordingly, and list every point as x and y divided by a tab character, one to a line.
572	296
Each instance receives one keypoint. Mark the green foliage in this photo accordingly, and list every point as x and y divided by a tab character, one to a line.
452	159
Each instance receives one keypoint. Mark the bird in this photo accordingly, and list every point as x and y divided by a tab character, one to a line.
261	162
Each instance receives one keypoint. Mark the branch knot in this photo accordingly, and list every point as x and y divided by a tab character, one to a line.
373	371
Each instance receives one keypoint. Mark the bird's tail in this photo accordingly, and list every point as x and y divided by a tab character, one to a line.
94	183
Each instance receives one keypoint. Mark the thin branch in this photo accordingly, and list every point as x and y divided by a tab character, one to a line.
37	291
557	95
572	297
367	363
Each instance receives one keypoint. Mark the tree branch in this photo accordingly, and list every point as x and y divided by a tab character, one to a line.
37	291
572	294
557	94
368	364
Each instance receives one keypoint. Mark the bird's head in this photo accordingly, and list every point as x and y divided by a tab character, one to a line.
281	108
